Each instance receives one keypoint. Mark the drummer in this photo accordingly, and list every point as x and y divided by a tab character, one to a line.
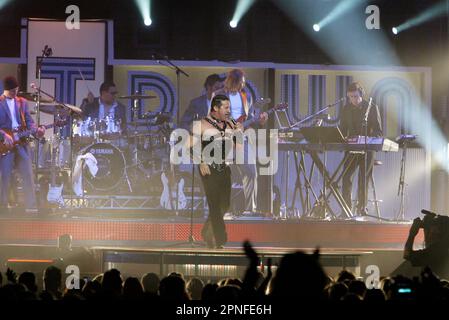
106	105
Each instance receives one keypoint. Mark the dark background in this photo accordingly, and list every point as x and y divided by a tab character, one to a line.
199	29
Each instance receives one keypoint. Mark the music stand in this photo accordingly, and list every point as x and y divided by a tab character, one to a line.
282	119
323	136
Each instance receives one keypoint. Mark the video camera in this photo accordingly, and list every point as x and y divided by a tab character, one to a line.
436	222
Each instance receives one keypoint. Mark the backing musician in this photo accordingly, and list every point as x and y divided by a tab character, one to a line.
351	125
105	105
14	116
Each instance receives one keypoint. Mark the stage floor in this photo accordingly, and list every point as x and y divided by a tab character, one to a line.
137	231
136	244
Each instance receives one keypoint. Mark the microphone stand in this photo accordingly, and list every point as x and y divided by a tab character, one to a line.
71	112
47	52
365	173
325	108
192	242
404	140
178	71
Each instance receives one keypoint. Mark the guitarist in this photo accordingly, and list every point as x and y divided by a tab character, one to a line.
241	107
14	115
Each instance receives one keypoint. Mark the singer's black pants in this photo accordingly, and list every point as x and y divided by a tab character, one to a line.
217	187
353	162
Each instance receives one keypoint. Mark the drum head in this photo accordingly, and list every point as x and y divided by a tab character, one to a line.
111	166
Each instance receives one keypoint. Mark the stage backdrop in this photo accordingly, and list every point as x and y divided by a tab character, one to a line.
74	52
307	88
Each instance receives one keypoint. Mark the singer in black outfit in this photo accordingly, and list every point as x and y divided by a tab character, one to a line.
351	125
216	131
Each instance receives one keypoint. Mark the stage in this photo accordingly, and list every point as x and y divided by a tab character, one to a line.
129	229
136	244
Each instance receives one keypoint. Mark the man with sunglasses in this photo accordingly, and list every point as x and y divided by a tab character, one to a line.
106	105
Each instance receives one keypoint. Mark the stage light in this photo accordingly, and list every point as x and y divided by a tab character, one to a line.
394	30
427	15
316	27
240	10
145	11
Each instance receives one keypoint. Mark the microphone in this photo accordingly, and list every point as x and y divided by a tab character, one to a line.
337	102
47	52
424	211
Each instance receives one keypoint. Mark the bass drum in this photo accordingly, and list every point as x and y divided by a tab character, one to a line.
111	166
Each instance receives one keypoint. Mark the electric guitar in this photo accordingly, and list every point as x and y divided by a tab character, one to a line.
21	136
247	122
54	194
167	201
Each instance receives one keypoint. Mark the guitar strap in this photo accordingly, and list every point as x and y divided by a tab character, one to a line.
22	114
245	102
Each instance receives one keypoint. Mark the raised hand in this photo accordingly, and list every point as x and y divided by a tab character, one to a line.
11	276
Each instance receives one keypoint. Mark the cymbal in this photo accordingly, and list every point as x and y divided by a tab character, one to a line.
73	108
137	97
53	108
32	96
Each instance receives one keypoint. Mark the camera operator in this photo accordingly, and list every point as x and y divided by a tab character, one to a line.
436	238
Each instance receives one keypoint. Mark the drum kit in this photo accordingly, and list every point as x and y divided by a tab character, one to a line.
139	147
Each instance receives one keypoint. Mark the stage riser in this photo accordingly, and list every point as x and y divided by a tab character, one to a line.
146	233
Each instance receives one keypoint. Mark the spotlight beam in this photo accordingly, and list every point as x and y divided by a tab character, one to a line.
427	15
340	9
144	7
242	7
4	3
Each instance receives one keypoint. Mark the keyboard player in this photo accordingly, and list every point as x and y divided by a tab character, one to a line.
352	124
